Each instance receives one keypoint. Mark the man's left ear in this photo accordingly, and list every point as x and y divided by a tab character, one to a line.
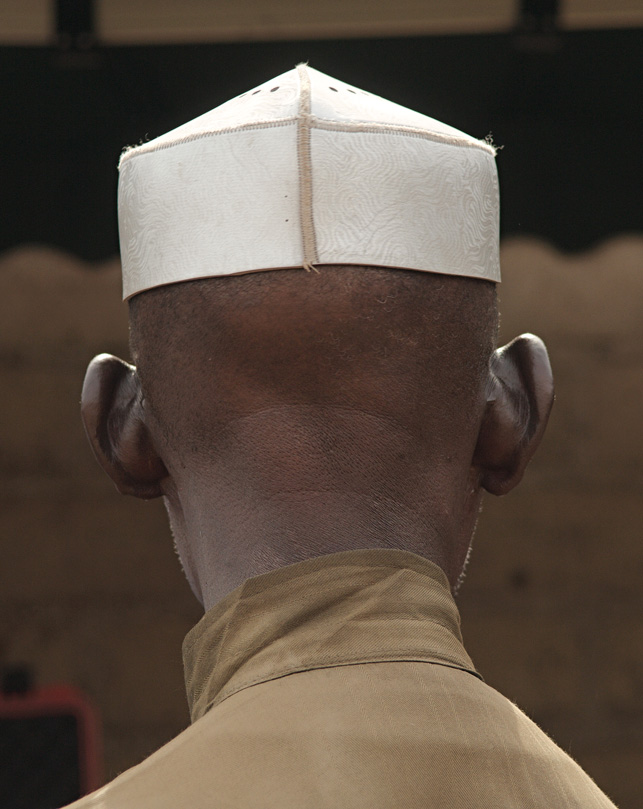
112	413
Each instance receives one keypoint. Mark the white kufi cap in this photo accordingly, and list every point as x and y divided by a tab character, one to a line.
307	170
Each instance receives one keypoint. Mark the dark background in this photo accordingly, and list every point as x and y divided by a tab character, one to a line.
566	108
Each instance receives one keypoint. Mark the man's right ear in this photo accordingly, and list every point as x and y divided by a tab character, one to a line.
520	395
112	413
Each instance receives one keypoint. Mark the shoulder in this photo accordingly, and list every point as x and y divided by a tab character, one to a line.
358	736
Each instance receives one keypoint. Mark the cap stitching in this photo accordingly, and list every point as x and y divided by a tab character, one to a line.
309	241
149	148
399	129
316	123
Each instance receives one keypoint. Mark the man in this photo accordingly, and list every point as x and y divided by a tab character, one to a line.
318	397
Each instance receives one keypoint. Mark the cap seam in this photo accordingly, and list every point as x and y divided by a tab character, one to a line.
399	129
311	121
144	148
308	238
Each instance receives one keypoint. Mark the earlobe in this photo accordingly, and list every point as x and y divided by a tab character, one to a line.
520	396
114	422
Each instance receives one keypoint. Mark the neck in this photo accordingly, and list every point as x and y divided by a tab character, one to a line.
222	547
283	492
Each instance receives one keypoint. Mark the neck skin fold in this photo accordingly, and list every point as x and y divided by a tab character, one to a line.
234	521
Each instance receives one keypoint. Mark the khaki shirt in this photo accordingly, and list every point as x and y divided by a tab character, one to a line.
342	682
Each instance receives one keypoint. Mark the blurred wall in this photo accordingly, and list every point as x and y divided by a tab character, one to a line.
90	589
138	21
92	594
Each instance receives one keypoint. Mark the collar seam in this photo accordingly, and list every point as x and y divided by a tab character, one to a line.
242	654
399	656
242	596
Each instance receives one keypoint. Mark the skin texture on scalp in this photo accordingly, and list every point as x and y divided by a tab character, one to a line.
300	413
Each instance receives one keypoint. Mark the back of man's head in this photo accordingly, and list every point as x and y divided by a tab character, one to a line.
300	411
410	349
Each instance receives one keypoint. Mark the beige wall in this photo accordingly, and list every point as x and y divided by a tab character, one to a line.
147	21
91	592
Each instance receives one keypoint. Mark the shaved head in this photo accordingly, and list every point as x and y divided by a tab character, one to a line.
283	414
300	388
212	351
288	414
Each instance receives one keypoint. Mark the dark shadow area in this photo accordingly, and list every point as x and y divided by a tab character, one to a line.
563	105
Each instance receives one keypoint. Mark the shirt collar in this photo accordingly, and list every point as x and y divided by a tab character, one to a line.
361	606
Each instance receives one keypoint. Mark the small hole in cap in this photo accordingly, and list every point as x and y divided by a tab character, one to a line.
351	91
255	92
334	89
274	88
